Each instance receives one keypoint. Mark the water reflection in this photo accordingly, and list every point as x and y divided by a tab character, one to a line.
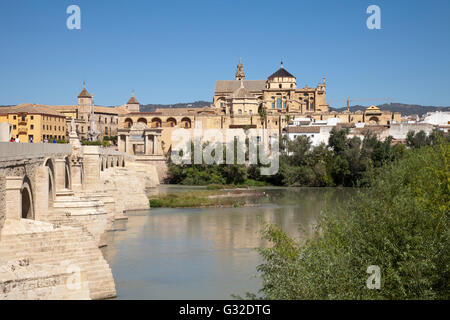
206	253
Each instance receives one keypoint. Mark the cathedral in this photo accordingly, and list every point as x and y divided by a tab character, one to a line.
276	95
240	103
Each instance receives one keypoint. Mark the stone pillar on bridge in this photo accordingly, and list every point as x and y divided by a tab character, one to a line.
148	143
13	197
76	159
157	149
76	172
41	192
128	148
91	167
121	143
60	174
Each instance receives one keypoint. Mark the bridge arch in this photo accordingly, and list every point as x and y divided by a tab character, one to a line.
49	163
26	199
67	174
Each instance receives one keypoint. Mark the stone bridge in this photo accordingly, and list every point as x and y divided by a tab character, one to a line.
57	203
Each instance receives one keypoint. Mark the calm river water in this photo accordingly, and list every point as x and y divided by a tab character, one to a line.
206	253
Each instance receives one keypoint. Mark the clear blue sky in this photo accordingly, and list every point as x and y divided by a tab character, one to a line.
174	51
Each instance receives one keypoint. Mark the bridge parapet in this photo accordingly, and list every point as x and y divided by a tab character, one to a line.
12	151
113	152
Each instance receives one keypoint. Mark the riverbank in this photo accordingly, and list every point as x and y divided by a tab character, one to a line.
236	197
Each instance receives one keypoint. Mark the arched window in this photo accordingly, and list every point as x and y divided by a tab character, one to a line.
156	123
128	123
186	123
142	120
171	122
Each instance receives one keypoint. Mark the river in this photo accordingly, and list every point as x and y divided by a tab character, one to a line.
206	253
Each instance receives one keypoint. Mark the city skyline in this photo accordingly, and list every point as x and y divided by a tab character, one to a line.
175	52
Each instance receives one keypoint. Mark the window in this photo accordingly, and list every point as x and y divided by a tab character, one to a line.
284	105
273	105
278	103
239	111
14	117
14	127
279	85
32	127
23	118
43	127
32	117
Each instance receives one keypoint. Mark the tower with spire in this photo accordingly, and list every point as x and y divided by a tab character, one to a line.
85	101
132	104
240	71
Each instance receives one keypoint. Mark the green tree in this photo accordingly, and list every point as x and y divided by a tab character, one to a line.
400	224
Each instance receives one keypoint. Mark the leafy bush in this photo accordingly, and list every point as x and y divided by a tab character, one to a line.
155	203
400	223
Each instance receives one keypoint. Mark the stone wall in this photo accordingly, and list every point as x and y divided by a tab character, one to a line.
66	224
2	202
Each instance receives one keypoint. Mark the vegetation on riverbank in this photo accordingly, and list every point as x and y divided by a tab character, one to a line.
400	224
203	198
343	162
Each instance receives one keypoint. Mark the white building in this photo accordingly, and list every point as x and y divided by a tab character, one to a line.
437	118
316	134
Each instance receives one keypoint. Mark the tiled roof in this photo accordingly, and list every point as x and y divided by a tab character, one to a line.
230	86
110	110
299	129
31	109
133	100
242	93
281	73
182	111
84	94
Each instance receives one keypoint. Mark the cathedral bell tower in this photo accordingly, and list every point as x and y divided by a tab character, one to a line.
240	71
84	101
132	104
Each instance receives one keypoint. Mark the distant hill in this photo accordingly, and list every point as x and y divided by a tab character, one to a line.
153	107
404	109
